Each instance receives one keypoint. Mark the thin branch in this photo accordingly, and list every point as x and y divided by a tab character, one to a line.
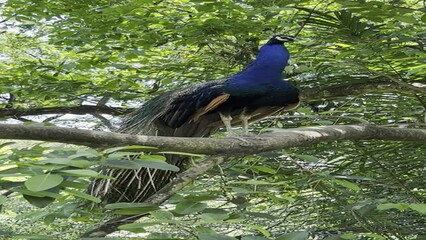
85	109
104	100
405	85
307	18
105	121
52	118
316	93
419	98
159	197
282	139
10	101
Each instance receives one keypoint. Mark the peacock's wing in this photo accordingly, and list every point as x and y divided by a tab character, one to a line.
171	110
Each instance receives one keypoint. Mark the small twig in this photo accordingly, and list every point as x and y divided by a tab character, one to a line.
52	118
391	67
401	82
307	18
104	100
7	193
105	121
423	103
10	101
22	119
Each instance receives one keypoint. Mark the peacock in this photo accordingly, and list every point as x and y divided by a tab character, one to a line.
199	111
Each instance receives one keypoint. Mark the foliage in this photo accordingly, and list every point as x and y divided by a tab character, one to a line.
120	53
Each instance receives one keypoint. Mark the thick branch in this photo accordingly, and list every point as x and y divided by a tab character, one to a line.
159	197
228	146
85	109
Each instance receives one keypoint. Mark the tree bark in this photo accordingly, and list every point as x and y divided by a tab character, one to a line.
283	138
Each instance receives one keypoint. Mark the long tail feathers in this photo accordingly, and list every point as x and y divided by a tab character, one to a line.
137	185
133	185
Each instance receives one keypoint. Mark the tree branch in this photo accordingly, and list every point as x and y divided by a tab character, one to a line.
281	139
315	93
307	94
85	109
159	197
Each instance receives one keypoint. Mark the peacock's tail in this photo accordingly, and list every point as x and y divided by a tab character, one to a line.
136	185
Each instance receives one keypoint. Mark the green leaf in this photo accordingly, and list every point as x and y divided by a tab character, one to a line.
120	205
424	18
133	227
387	206
132	208
85	152
261	215
68	162
308	158
157	164
189	207
72	184
159	236
259	182
134	211
300	235
214	217
202	229
82	195
122	155
32	236
253	238
4	144
123	164
214	236
264	169
261	230
48	193
43	182
162	215
419	207
183	154
324	122
7	167
81	172
406	19
201	197
151	157
3	199
347	184
133	148
39	202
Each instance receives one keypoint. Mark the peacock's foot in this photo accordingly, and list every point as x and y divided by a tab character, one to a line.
239	133
243	136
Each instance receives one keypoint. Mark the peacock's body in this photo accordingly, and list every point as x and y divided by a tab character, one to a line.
199	111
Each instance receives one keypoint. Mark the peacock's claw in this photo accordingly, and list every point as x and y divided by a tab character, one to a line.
244	142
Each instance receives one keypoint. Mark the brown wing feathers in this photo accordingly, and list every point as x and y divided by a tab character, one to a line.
211	106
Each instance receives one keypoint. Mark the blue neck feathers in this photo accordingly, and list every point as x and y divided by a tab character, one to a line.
265	71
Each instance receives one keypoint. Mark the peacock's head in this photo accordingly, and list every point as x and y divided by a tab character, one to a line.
281	38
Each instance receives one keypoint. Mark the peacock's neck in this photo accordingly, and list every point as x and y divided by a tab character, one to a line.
268	66
263	73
